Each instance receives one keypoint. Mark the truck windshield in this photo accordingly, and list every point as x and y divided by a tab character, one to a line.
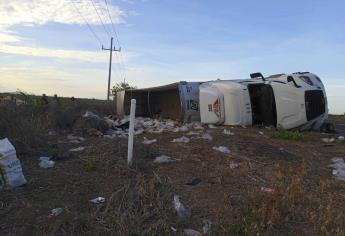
263	104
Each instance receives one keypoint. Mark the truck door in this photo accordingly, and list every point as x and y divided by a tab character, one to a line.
290	105
211	105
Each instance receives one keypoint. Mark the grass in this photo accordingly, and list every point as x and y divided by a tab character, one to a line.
285	134
91	166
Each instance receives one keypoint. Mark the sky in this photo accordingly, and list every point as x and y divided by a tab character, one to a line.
47	47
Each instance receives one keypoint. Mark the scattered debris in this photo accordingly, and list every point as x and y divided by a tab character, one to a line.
222	149
183	139
198	126
75	139
162	159
267	190
191	232
234	165
45	162
97	200
206	136
183	128
211	126
338	167
55	212
341	138
78	149
180	209
195	181
173	229
10	167
148	142
139	131
228	132
90	114
207	226
328	140
261	133
190	133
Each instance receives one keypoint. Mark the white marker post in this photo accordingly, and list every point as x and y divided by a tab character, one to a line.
131	132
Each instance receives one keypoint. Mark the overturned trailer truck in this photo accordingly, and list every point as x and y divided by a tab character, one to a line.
293	101
178	101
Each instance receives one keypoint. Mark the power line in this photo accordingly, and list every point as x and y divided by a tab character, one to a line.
112	23
118	42
88	25
105	29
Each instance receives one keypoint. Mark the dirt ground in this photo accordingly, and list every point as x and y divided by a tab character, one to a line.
280	187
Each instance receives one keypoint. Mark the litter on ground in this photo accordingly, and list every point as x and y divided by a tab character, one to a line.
267	190
162	159
328	140
76	139
183	139
98	200
191	232
234	165
341	138
192	133
10	167
228	132
195	181
78	149
211	126
222	149
205	136
55	212
148	142
45	162
207	226
338	167
180	209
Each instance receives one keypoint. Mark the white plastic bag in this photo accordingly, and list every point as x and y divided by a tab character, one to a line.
45	162
10	166
180	209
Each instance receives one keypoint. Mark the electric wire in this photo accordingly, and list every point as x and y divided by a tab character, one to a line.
87	23
105	29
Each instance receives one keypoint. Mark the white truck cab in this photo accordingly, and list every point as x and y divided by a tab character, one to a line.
295	100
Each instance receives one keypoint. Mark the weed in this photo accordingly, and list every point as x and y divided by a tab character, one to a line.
285	134
91	166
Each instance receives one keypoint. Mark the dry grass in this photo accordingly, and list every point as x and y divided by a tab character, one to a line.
306	198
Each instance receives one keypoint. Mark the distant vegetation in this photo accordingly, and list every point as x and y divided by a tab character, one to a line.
120	87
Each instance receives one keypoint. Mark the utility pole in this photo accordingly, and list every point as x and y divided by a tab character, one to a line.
111	49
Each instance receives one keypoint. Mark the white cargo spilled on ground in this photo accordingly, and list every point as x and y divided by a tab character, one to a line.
10	168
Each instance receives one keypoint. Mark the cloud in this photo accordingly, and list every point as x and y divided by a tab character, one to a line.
39	12
88	56
31	13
